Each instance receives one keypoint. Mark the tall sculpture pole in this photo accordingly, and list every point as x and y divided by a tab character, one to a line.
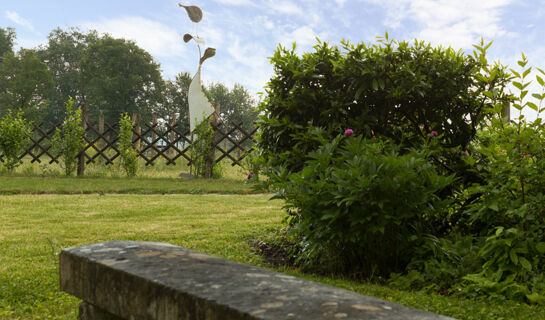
199	106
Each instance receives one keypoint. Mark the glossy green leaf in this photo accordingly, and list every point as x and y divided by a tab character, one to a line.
540	80
513	256
532	105
540	247
525	263
517	85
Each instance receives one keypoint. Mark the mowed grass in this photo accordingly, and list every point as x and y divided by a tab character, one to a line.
35	228
87	185
160	169
35	178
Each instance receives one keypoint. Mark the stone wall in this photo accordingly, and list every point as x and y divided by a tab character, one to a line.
143	280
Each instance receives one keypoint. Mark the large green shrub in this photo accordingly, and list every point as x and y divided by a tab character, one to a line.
14	136
68	141
438	184
361	206
378	90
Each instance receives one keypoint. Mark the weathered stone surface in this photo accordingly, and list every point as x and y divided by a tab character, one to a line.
144	280
89	312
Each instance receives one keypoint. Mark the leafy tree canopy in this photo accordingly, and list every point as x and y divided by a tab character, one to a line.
112	76
175	100
24	84
7	37
236	105
62	54
120	77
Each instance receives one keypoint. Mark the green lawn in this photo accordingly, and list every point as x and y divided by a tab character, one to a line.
88	185
35	228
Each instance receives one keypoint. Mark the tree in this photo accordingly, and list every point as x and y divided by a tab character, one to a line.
118	77
7	37
236	105
25	83
175	100
63	53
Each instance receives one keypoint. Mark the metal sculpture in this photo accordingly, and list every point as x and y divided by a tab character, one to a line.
199	106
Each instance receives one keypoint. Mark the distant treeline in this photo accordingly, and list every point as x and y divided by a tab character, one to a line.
112	76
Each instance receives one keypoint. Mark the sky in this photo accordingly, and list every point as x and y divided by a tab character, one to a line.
246	32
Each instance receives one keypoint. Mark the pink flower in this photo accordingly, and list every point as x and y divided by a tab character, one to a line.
434	133
249	176
348	132
501	151
527	155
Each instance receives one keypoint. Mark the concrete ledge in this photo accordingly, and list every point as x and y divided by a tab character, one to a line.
145	280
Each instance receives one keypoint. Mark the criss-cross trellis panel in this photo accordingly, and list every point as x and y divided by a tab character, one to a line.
162	141
230	142
100	144
153	141
41	142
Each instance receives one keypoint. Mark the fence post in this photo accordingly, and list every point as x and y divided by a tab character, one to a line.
209	161
101	142
81	158
225	135
153	134
172	134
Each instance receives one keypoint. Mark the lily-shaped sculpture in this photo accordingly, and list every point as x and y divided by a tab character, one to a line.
199	106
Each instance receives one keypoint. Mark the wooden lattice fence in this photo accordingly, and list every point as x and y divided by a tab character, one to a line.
152	141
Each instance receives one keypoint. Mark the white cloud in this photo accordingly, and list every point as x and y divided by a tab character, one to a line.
284	7
248	54
263	21
304	37
236	2
16	18
458	23
29	43
158	39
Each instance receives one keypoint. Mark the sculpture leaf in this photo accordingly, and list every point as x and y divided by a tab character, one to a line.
194	12
208	53
187	37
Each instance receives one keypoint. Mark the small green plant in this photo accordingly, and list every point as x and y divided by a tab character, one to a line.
253	164
14	136
69	141
201	148
510	209
129	156
496	247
